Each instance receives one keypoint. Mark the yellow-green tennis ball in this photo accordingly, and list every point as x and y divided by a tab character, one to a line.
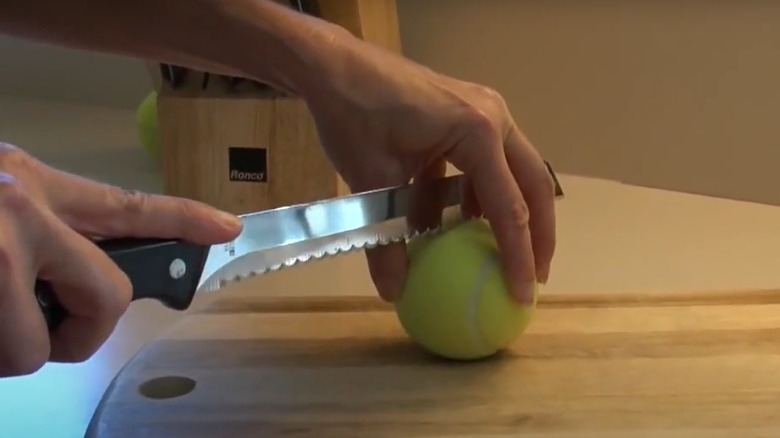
147	126
456	302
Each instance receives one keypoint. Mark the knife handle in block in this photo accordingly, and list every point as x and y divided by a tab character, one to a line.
161	269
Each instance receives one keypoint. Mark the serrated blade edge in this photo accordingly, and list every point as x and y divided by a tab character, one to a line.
300	253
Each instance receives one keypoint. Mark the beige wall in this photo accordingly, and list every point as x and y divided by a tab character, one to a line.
41	71
677	94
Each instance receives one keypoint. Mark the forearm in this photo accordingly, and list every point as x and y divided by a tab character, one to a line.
252	38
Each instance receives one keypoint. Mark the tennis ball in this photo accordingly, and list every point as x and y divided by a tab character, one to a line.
456	303
146	124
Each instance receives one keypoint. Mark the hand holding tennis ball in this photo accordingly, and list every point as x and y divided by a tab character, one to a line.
456	302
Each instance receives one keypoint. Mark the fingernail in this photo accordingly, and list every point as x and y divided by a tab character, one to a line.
526	295
228	220
544	275
391	288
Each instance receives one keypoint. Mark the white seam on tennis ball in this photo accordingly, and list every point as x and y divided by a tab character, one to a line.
476	295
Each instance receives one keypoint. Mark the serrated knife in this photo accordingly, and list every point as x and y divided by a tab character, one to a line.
173	271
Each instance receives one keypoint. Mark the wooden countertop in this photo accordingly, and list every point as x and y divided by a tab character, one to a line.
613	239
611	365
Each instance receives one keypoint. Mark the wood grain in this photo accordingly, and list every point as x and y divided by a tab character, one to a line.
601	366
197	133
198	125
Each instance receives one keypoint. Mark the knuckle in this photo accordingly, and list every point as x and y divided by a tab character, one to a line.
133	201
10	154
111	299
519	214
117	299
492	94
129	210
108	289
493	97
13	197
14	158
480	123
184	209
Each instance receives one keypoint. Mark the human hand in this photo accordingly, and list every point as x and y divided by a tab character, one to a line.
47	220
384	120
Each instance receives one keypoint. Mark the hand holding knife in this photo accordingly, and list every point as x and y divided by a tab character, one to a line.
173	271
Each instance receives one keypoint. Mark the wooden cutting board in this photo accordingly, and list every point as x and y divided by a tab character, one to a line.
598	366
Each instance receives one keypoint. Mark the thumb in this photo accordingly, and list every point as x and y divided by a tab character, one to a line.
94	208
388	264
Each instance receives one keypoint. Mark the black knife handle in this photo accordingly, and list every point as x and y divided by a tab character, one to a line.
161	269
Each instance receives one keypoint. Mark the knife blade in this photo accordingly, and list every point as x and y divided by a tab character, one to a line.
172	271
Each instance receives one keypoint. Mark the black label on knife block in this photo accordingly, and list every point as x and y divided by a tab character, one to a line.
248	165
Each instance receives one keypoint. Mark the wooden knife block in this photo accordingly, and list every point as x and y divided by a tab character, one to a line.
252	149
244	155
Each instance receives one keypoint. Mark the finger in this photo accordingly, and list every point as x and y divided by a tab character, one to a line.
99	209
427	201
470	207
538	189
91	288
388	264
479	153
24	339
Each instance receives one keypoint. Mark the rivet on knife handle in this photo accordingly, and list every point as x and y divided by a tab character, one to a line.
165	270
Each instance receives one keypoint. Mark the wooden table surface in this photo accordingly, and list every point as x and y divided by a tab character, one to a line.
630	365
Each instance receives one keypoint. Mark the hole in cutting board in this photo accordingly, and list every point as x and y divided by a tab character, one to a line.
166	387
